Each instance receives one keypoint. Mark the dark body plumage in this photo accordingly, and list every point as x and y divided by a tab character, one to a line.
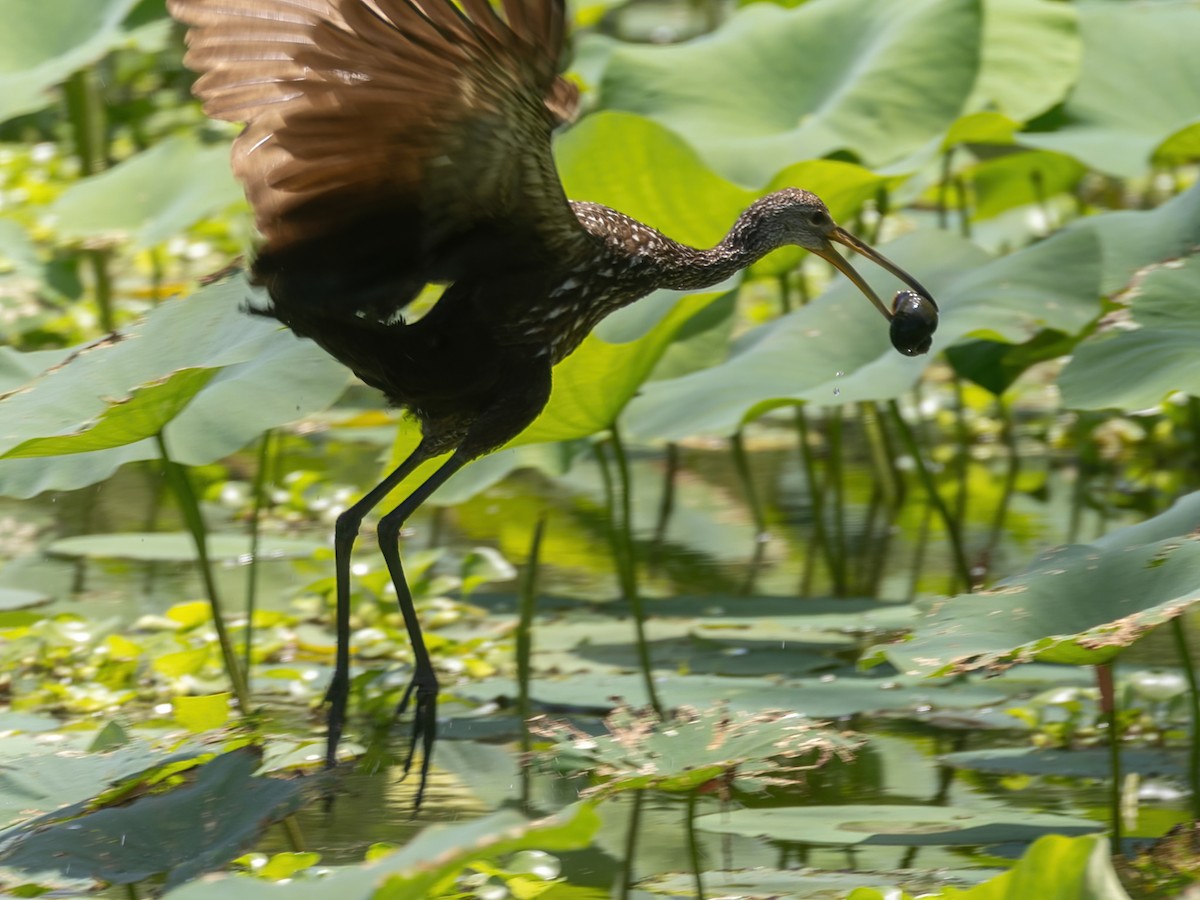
391	144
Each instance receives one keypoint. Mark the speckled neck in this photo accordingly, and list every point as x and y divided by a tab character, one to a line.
661	262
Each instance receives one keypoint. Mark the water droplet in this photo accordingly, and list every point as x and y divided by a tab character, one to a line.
836	391
838	374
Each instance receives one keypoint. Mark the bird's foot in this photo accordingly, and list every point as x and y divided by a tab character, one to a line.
423	689
336	698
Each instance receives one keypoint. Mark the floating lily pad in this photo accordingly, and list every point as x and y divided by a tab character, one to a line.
817	698
151	196
27	723
734	657
893	826
19	598
1092	762
179	547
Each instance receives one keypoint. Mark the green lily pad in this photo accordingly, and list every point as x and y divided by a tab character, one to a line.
1032	52
19	598
893	826
179	547
1146	354
620	355
1180	148
659	179
180	833
1113	123
656	178
736	658
1132	240
1020	179
1092	762
816	698
41	45
25	723
1079	605
266	378
151	196
140	415
774	86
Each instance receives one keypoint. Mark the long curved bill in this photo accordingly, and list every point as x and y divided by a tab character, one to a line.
841	236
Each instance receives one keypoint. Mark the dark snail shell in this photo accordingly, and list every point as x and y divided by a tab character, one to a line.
914	320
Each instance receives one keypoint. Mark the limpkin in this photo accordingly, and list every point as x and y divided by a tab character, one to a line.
390	144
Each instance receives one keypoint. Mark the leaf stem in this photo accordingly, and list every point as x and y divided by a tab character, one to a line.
180	485
837	480
1185	657
666	503
621	532
693	843
816	494
526	606
87	115
260	491
935	498
741	463
1108	705
632	833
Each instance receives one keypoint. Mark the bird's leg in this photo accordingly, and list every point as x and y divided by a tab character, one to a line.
344	535
424	683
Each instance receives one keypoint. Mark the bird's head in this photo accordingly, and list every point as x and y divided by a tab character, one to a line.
796	217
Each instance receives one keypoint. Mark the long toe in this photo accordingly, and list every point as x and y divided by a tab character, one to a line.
424	730
335	699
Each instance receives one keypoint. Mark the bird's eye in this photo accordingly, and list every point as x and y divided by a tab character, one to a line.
819	217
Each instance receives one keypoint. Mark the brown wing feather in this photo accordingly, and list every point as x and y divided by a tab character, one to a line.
395	127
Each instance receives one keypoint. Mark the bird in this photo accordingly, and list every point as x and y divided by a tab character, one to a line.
393	144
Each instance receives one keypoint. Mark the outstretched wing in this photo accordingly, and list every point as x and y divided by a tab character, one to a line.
388	139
